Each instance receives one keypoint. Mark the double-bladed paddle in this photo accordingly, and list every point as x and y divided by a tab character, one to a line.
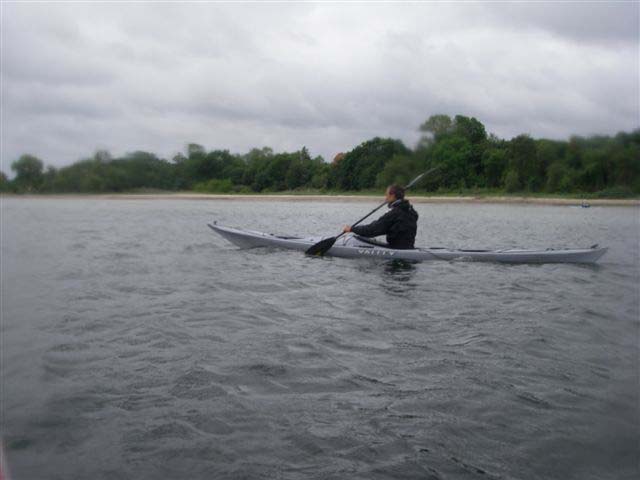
323	246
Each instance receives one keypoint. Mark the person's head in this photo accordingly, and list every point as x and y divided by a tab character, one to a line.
394	192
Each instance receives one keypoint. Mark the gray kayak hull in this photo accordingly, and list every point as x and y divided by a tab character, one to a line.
353	248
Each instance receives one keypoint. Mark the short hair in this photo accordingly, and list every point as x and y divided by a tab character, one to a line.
397	191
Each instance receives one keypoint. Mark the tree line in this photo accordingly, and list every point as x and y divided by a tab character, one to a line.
468	159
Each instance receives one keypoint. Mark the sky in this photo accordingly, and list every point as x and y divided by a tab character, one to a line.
81	77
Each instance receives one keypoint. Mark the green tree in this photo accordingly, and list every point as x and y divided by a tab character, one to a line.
469	128
556	174
233	168
626	162
466	155
434	128
4	183
28	171
48	179
102	156
548	152
595	172
494	162
214	186
139	170
197	168
298	174
359	168
511	181
320	180
180	175
300	170
522	155
256	161
400	170
319	173
273	175
453	155
474	132
574	153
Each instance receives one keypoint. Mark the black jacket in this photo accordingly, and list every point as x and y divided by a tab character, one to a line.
399	224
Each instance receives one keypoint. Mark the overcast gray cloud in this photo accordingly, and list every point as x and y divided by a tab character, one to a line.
155	76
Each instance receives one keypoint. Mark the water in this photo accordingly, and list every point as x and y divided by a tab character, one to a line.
138	344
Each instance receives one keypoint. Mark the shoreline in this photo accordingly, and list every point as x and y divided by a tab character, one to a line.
334	198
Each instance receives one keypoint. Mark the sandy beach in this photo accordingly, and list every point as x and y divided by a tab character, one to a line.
337	198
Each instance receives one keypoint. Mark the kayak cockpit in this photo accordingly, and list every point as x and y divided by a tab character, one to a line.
285	237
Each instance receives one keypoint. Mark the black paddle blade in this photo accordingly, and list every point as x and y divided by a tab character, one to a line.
321	247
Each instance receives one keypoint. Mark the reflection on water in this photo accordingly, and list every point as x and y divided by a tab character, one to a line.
399	268
398	276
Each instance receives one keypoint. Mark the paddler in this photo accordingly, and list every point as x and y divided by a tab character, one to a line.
399	224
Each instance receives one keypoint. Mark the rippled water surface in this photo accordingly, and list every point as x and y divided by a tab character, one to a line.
138	344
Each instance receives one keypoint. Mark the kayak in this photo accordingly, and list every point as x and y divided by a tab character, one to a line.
353	246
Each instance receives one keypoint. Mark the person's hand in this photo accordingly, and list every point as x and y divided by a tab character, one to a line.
346	229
